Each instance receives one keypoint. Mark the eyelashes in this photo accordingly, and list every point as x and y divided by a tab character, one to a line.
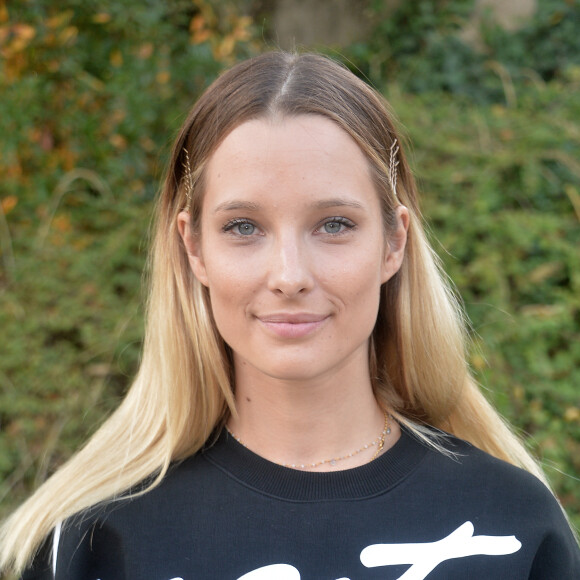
333	226
240	227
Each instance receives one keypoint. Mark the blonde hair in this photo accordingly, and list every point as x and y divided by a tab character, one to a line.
183	390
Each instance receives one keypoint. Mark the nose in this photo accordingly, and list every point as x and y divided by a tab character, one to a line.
290	268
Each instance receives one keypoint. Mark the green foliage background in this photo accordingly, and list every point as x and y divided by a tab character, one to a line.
92	94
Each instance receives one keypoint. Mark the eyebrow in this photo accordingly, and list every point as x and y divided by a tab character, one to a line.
337	202
236	205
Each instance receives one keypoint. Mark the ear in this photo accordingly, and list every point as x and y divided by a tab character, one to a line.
395	247
192	245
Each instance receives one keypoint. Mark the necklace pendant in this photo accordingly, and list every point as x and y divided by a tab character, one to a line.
333	462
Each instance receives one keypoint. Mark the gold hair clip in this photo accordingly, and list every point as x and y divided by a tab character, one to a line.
188	179
393	162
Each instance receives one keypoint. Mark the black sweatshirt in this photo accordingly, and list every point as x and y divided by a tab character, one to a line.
411	514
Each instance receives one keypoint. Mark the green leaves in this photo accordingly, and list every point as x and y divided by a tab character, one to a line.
499	186
92	93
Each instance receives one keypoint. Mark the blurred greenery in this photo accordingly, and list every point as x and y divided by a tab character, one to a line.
92	94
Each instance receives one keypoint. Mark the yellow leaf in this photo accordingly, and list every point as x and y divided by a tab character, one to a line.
80	244
117	58
3	12
22	35
197	23
67	158
573	196
94	83
225	48
62	223
147	143
542	311
60	19
13	171
9	203
163	77
98	370
145	50
477	362
101	18
201	36
4	34
118	141
544	271
244	21
136	186
241	31
572	414
199	29
68	35
498	110
53	65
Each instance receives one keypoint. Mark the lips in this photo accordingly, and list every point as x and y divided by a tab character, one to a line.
292	325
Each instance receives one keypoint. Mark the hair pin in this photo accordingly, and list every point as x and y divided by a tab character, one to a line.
188	179
393	163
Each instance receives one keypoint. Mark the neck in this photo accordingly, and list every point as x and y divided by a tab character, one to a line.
310	422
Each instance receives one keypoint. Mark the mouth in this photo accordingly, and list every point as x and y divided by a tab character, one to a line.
298	325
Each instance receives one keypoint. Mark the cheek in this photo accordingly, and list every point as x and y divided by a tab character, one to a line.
369	280
231	289
358	276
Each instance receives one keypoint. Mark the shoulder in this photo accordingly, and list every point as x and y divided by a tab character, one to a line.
500	498
98	538
460	459
490	480
466	478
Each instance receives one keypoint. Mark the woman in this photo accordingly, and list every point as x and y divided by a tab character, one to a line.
303	357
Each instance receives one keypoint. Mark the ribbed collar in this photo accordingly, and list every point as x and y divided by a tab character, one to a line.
271	479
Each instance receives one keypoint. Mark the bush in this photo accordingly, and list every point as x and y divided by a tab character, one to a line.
91	95
421	46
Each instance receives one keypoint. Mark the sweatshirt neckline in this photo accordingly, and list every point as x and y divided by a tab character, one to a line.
266	477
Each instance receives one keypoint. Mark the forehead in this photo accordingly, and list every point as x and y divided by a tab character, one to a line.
301	157
306	132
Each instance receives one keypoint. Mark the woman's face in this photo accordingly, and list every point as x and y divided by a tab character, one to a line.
292	247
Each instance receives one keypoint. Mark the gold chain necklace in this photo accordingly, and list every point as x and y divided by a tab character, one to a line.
379	442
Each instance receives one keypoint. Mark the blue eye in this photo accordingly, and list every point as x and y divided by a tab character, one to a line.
333	227
336	225
240	227
245	228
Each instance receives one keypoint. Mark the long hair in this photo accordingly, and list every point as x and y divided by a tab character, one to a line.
183	390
